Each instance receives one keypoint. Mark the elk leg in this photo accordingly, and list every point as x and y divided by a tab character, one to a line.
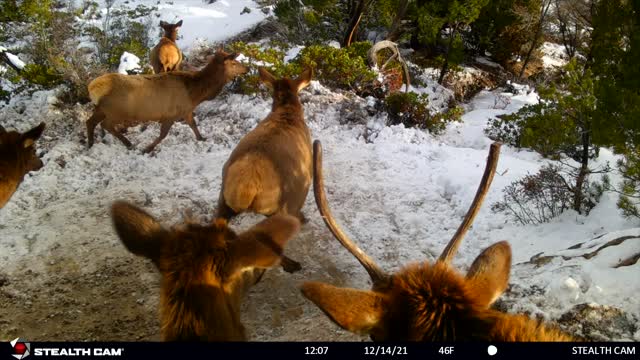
289	265
303	219
224	211
192	124
93	121
164	131
113	131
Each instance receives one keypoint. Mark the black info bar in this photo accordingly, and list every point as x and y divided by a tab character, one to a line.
23	349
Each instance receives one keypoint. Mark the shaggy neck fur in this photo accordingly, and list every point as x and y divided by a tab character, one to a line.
198	302
200	313
435	303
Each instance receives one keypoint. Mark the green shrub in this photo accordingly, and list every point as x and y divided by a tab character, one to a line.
335	68
42	75
344	68
629	200
412	110
250	83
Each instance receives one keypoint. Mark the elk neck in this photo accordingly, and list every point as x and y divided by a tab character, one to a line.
171	35
207	83
287	107
200	313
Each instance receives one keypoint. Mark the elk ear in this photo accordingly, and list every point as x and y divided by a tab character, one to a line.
179	23
262	245
2	130
358	311
489	273
304	79
140	232
266	77
163	23
29	138
231	56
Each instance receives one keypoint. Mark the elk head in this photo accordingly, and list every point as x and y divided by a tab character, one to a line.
422	302
285	91
171	30
205	269
232	67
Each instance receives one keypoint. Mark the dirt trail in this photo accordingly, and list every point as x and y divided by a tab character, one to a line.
118	299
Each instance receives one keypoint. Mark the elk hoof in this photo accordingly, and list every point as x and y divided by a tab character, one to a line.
290	266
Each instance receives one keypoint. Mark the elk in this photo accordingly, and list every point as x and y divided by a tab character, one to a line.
123	101
166	55
205	269
17	158
269	171
427	302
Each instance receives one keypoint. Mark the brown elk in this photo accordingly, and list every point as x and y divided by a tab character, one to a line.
166	55
269	171
124	101
205	269
428	302
17	158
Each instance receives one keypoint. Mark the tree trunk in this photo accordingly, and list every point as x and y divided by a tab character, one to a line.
396	31
354	21
578	192
445	66
536	37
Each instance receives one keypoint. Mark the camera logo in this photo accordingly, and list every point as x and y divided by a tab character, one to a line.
21	348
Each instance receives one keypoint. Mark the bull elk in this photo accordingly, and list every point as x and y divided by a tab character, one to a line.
205	269
269	171
124	101
17	158
428	302
166	55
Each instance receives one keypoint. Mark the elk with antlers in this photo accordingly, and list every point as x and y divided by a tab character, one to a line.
17	158
205	268
269	171
428	302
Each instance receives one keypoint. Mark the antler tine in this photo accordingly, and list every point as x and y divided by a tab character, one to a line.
485	183
377	275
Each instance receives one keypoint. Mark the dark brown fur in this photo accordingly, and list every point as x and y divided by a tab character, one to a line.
17	158
205	269
269	172
123	101
166	56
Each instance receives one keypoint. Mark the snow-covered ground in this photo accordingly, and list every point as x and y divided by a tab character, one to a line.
202	22
399	193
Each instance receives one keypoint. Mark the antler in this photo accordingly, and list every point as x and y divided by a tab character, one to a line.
377	275
485	183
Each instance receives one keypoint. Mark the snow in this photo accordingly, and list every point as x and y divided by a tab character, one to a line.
554	55
400	194
15	60
485	61
203	22
128	62
292	53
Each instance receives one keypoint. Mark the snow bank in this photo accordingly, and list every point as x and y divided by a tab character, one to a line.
128	62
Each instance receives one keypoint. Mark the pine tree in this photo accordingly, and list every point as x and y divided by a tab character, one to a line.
561	126
451	17
615	54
